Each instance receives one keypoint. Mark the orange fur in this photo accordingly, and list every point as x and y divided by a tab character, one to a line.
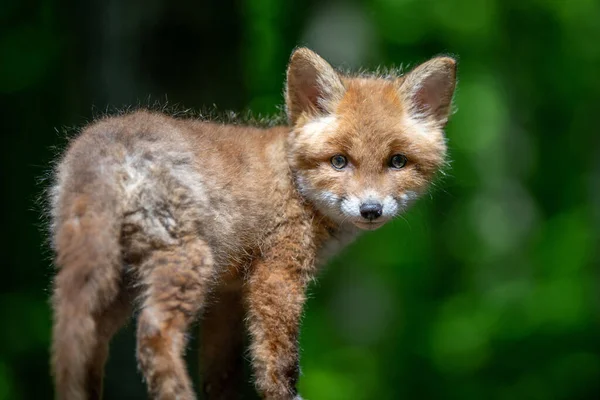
174	216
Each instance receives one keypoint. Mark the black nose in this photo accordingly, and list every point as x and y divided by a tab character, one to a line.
371	211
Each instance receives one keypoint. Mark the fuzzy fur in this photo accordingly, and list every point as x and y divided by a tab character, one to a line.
157	214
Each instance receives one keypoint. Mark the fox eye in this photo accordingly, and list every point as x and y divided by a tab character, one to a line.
338	161
398	161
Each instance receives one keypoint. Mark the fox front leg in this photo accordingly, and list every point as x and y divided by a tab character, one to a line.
275	295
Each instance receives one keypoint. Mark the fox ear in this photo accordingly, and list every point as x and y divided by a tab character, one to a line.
428	89
312	87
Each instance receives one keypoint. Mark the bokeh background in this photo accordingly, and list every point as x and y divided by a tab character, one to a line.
489	288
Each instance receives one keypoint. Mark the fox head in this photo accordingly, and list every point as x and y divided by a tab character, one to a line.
363	148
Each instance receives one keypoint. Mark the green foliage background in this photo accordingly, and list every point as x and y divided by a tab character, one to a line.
489	288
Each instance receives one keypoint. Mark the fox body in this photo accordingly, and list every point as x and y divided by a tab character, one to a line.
173	219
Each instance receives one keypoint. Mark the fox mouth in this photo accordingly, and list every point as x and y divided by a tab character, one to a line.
368	225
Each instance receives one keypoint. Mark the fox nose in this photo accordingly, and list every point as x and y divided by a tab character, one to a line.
371	211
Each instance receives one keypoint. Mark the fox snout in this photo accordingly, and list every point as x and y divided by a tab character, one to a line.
371	210
368	211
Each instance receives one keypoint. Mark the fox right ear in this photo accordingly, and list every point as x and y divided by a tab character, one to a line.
428	89
313	86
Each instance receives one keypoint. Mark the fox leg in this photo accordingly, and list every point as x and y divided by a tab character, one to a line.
221	345
275	296
176	281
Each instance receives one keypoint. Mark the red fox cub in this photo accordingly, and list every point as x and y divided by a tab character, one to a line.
172	219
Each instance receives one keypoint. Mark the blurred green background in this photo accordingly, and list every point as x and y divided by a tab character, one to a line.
489	288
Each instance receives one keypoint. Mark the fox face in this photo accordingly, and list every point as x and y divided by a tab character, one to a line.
364	148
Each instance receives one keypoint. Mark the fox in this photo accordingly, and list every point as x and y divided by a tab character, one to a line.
173	219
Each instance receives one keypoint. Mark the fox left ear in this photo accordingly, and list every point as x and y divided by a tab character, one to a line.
313	86
428	89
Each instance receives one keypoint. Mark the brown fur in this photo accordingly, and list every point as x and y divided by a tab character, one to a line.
172	216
